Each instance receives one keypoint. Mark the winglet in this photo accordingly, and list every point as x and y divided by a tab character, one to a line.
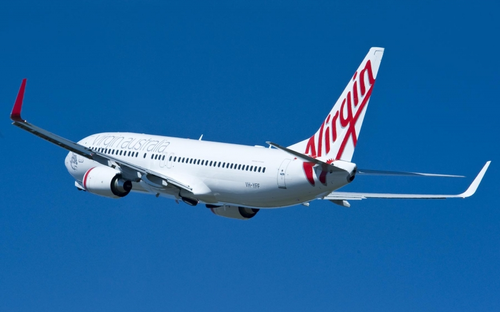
473	187
15	115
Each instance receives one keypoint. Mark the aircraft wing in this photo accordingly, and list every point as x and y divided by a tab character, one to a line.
338	197
129	171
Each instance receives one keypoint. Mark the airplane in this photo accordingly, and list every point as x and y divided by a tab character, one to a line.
234	181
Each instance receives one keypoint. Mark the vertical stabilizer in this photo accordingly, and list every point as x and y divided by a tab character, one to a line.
338	134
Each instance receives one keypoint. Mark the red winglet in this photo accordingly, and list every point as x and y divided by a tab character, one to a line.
16	110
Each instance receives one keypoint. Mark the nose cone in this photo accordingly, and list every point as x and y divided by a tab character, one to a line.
71	162
76	165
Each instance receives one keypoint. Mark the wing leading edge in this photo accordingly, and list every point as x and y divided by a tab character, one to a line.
342	196
129	171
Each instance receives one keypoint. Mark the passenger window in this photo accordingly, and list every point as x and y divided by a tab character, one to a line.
163	157
263	169
251	168
145	155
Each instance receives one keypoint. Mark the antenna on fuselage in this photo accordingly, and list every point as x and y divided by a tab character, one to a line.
200	137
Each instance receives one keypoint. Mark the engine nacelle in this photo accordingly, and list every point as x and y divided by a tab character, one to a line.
234	212
107	182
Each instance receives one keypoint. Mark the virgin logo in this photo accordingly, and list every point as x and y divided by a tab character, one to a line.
342	125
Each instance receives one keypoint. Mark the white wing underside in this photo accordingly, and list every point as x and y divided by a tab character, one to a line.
339	196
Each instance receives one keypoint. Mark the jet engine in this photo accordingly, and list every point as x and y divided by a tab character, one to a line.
233	212
107	182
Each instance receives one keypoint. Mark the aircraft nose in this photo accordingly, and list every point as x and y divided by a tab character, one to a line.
67	160
73	165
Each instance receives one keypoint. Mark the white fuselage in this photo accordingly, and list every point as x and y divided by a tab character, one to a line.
218	173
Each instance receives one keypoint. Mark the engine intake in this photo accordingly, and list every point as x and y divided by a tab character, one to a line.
107	182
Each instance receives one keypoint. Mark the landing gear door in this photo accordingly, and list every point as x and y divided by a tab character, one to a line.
282	174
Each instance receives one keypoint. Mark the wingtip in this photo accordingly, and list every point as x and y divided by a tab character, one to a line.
475	184
15	115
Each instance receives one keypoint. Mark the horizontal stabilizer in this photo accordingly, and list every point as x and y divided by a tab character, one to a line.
402	173
335	166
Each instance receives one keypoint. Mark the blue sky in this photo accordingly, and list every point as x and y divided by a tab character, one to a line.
248	72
